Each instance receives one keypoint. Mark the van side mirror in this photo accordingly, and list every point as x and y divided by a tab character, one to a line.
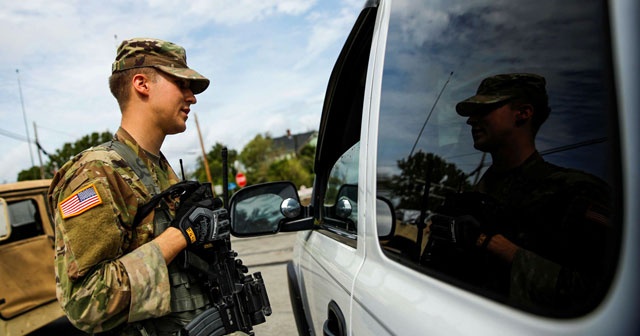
5	223
267	209
385	218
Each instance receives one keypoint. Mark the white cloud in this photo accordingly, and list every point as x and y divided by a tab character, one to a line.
269	63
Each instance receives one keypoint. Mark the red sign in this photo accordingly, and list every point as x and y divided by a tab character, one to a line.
241	180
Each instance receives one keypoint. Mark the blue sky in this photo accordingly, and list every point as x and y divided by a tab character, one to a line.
269	62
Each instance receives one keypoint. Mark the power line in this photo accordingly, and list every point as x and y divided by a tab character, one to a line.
23	138
14	136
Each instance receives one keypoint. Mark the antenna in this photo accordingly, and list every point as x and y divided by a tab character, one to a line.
430	112
24	115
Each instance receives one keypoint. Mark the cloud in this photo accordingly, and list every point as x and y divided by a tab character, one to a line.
269	63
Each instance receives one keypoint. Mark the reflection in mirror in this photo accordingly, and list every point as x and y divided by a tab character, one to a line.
385	218
343	207
260	213
5	226
257	209
290	208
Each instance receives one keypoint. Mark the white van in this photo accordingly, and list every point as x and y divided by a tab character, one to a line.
392	152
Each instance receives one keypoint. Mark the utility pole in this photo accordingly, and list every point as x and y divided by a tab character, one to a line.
204	154
24	115
35	133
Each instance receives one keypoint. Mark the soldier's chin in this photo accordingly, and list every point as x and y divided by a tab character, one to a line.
178	130
481	146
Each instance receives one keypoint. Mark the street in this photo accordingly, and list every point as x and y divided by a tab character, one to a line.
265	254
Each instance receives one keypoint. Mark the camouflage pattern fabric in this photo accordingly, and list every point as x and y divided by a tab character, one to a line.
500	88
559	218
107	272
162	55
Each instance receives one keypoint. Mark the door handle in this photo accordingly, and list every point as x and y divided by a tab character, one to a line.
335	324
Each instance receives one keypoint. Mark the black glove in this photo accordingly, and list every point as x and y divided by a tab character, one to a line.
461	230
201	220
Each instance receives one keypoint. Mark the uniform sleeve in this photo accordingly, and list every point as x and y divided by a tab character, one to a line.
150	292
577	278
99	284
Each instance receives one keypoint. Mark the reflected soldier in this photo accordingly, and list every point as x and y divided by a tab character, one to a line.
542	239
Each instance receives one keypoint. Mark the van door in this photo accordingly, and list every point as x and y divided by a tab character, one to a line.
332	255
430	159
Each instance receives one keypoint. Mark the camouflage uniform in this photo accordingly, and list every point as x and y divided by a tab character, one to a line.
558	217
108	272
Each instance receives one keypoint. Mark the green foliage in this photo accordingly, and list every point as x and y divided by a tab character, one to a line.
32	173
62	155
290	170
214	159
256	156
262	162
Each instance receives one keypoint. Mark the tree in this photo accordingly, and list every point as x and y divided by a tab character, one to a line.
256	156
265	163
64	154
423	169
214	159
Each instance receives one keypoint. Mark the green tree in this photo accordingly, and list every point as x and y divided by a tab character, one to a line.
256	156
290	170
32	173
64	154
214	159
264	163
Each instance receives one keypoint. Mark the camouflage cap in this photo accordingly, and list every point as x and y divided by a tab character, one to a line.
499	88
165	56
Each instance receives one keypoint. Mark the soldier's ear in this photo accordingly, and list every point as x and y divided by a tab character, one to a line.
524	112
140	83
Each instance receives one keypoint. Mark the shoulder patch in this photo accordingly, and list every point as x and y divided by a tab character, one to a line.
79	202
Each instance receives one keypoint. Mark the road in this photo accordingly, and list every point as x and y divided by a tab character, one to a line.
265	254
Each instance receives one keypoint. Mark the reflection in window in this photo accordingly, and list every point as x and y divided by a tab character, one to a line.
341	198
461	182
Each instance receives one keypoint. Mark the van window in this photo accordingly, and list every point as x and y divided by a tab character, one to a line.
497	149
339	135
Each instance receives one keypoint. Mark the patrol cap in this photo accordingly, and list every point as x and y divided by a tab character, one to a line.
165	56
499	88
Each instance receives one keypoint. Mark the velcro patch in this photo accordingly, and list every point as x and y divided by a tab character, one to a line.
79	202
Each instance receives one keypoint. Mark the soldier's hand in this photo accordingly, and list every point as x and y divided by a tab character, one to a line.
461	230
201	221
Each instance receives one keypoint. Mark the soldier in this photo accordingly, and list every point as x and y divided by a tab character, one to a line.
544	244
112	273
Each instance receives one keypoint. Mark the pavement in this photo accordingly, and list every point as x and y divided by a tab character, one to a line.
269	255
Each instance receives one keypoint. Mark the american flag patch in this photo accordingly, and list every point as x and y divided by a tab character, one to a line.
80	202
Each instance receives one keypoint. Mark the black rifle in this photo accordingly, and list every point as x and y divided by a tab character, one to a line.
238	300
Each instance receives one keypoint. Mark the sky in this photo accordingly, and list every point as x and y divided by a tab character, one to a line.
269	62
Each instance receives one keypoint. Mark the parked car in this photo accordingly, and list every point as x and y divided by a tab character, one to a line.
389	139
27	279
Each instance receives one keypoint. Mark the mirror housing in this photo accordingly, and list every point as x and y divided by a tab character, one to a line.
5	223
385	218
267	208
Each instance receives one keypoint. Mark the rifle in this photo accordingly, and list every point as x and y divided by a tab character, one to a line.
238	300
